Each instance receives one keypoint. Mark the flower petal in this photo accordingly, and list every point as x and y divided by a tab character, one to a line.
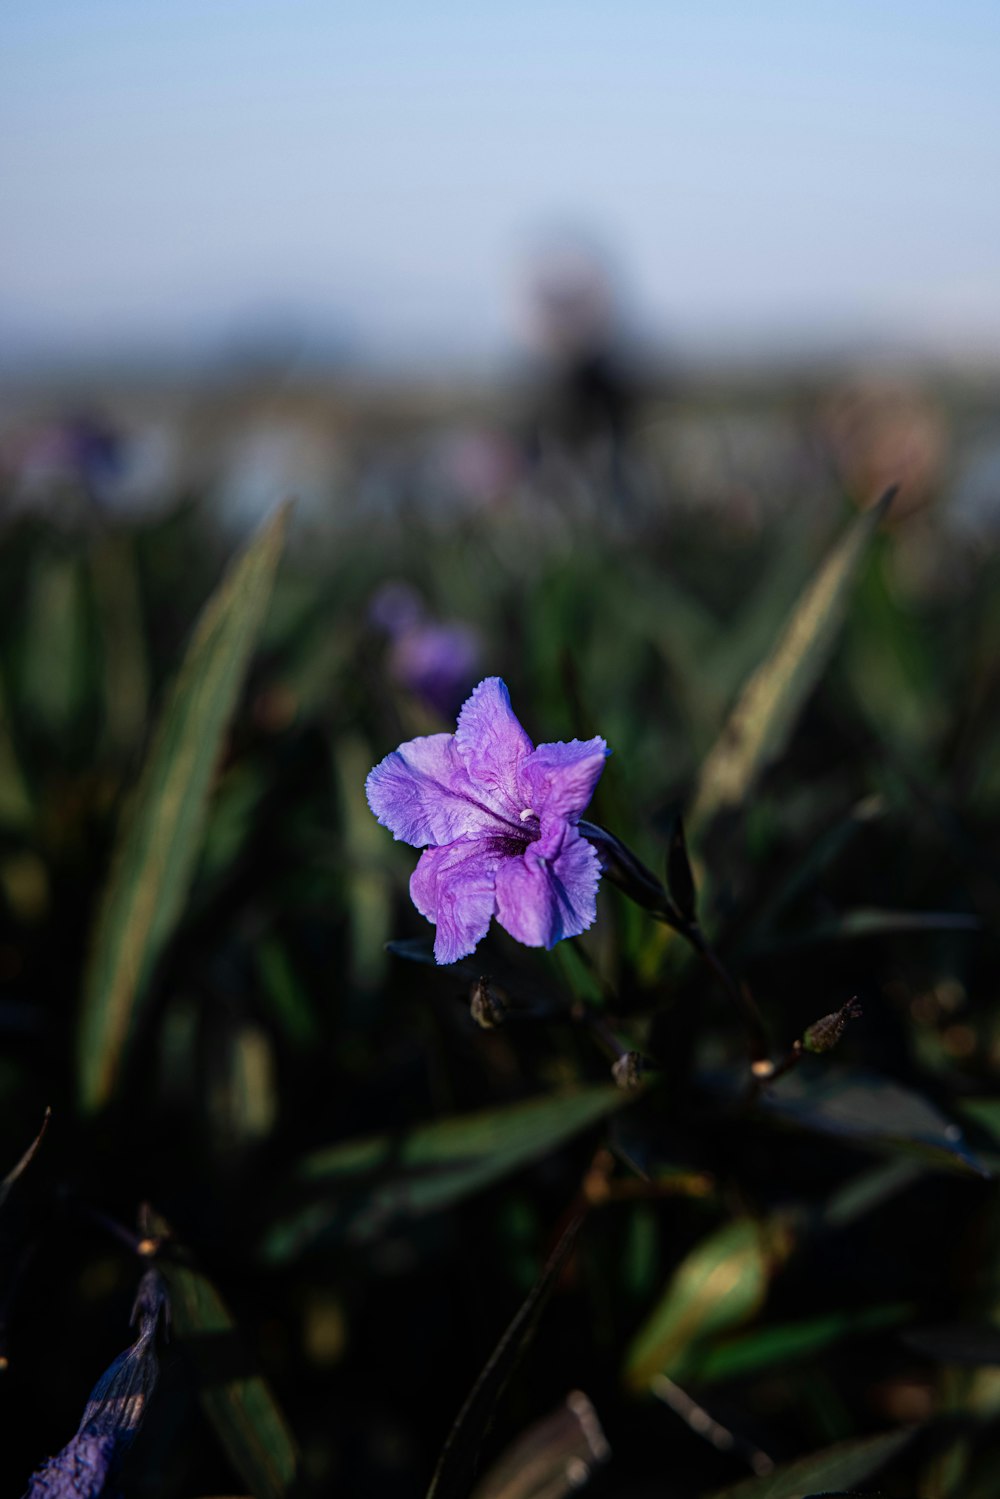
422	793
493	746
559	779
455	887
551	892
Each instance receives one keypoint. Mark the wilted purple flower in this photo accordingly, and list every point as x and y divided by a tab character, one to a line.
497	821
114	1412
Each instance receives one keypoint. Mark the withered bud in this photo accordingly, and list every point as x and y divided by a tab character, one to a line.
487	1004
627	1071
824	1035
114	1412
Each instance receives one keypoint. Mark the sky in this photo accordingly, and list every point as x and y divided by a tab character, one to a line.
383	173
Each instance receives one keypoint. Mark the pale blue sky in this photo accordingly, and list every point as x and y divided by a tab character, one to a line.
759	171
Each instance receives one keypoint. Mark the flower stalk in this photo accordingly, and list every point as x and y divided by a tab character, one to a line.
624	869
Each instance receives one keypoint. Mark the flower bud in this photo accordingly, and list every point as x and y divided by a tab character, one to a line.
824	1035
627	1071
627	871
487	1005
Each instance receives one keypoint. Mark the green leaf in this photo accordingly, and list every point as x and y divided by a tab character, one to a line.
367	887
845	1463
369	1184
872	1111
721	1283
58	657
162	828
118	603
457	1464
286	998
236	1400
16	806
765	713
870	1190
783	1343
821	851
985	1112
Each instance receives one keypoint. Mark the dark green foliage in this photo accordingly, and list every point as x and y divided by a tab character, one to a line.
211	970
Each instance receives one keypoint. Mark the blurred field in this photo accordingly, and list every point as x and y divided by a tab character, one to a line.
196	906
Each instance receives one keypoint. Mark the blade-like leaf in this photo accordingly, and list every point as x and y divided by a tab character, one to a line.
235	1398
286	998
720	1284
118	601
765	713
25	1161
457	1463
16	806
870	1189
872	1111
820	852
809	1477
161	831
785	1342
984	1112
368	1184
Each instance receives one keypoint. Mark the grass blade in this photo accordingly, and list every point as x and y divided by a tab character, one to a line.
368	1185
785	1343
457	1463
235	1398
29	1155
765	712
846	1463
162	828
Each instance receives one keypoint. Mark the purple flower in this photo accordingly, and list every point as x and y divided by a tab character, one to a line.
497	821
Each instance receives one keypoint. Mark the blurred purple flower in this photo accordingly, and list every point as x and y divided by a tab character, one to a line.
114	1412
497	821
435	661
394	608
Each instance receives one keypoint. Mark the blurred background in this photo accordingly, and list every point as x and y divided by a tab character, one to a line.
235	241
579	334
